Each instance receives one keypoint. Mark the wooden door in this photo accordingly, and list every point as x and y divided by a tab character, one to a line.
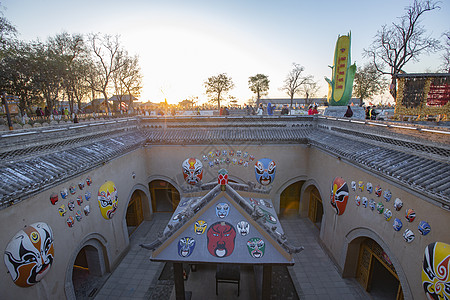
135	214
371	253
315	210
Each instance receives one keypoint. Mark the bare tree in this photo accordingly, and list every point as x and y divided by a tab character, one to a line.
108	57
295	80
217	87
446	56
395	45
310	89
368	82
259	84
128	79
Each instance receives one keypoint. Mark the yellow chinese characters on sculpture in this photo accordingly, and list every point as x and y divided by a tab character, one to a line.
108	199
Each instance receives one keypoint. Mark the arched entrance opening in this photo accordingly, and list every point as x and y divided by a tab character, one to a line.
290	199
376	273
135	212
315	209
165	197
87	273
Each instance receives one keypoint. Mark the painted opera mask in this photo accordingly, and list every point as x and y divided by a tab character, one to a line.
62	210
64	193
380	207
424	228
364	201
221	238
378	190
192	170
108	199
200	227
265	171
54	198
397	224
387	214
186	246
339	195
436	271
71	205
87	210
387	195
29	255
408	235
361	186
243	228
410	215
398	204
222	210
256	247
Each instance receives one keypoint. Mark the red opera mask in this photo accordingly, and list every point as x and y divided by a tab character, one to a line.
339	195
221	236
192	171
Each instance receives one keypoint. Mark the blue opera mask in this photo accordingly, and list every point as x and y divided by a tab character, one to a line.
222	210
265	171
186	246
397	224
424	228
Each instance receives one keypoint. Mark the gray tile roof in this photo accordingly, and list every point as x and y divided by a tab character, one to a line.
417	172
29	168
36	159
233	134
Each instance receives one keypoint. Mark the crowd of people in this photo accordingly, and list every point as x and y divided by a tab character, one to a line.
269	110
55	113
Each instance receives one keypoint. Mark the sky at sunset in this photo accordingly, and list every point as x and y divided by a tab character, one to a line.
182	43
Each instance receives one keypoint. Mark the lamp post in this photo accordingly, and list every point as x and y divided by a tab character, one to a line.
8	116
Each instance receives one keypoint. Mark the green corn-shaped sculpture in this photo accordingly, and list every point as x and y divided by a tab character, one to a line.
341	85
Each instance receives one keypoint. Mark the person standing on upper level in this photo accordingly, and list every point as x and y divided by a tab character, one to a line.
349	112
315	111
270	109
260	110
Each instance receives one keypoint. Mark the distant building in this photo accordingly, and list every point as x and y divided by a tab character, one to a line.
122	102
96	105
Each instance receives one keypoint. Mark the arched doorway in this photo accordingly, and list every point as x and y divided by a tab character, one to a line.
315	209
87	273
135	213
165	197
376	273
290	199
